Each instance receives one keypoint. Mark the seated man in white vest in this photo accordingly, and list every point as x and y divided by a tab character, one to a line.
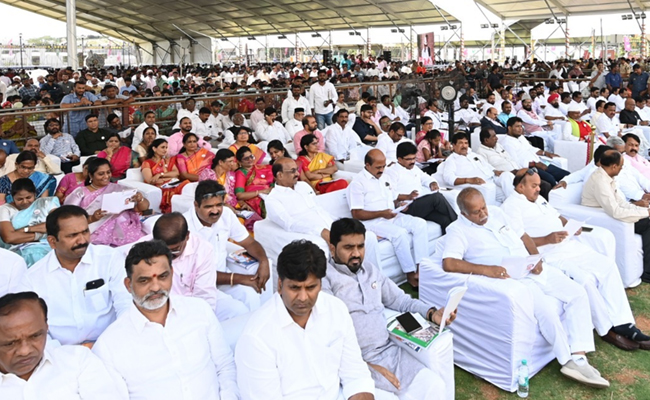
463	167
478	242
598	274
367	293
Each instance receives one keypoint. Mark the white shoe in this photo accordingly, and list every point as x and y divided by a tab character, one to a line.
585	374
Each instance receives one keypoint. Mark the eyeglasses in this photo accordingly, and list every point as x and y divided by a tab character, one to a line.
531	171
290	171
314	143
251	157
215	194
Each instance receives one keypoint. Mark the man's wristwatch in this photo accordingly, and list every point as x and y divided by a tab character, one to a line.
26	230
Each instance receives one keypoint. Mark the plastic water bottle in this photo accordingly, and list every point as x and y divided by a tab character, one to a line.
522	380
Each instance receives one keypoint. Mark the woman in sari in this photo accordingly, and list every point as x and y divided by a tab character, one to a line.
120	157
108	229
22	221
223	170
251	179
192	159
427	124
148	136
25	164
159	170
318	167
72	181
242	139
276	150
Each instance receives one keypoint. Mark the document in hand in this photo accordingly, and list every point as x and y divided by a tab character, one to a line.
572	227
115	203
454	297
520	267
402	207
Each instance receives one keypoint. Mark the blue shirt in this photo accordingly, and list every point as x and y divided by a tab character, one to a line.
9	147
639	82
614	80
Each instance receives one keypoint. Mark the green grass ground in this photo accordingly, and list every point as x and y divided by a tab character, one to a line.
627	372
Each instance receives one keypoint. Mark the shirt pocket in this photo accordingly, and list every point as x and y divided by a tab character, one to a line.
333	355
97	299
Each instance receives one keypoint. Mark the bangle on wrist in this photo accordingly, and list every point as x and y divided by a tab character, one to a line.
232	278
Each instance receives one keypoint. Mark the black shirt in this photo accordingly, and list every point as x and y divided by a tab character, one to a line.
363	129
90	142
494	80
629	117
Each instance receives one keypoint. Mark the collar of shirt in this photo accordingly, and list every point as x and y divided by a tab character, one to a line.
284	318
140	322
343	269
53	263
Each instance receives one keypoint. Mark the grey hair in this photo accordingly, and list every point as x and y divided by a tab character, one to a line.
614	141
464	195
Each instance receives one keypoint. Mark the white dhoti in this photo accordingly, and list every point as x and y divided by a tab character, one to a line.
600	240
227	307
575	334
436	381
599	277
402	231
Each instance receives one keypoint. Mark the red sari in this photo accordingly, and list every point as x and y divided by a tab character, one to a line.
259	177
160	167
123	159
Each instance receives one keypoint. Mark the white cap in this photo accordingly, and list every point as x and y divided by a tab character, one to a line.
574	108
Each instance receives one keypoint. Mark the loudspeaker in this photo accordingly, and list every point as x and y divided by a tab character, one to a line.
327	56
387	56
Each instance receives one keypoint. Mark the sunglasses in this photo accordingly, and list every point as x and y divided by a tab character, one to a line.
251	157
210	195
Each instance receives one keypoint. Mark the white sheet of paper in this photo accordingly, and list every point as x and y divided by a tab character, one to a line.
453	299
115	203
572	227
401	208
519	267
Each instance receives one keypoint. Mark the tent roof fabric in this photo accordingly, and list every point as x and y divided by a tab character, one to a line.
153	20
508	9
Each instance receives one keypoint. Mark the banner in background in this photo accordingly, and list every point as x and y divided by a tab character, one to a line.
425	49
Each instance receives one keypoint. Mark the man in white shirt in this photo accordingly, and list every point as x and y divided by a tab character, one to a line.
44	161
294	101
601	191
367	294
292	206
344	144
301	344
571	253
576	100
269	129
258	115
388	142
583	174
11	272
322	96
534	124
608	124
527	156
80	282
373	202
387	109
204	128
409	183
29	370
188	111
434	114
469	119
149	121
465	168
478	242
295	123
216	223
166	347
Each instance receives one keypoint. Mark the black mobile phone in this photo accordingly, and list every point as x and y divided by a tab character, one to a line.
409	323
147	212
587	229
97	283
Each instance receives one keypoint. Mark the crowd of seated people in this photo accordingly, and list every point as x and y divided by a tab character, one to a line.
134	303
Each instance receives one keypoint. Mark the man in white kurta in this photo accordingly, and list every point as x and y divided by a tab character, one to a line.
30	370
296	100
464	168
610	310
81	283
373	202
388	142
214	222
166	347
301	344
479	241
344	144
269	129
11	272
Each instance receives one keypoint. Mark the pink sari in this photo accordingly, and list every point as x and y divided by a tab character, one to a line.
114	229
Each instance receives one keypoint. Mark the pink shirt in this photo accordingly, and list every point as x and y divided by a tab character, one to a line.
300	134
175	143
195	271
641	164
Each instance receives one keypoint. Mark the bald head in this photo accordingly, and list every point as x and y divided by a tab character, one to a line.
171	228
375	162
630	104
285	172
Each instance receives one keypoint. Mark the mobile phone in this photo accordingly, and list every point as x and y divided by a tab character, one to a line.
587	229
409	323
97	283
147	212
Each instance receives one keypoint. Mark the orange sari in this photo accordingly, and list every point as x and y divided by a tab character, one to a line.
160	167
